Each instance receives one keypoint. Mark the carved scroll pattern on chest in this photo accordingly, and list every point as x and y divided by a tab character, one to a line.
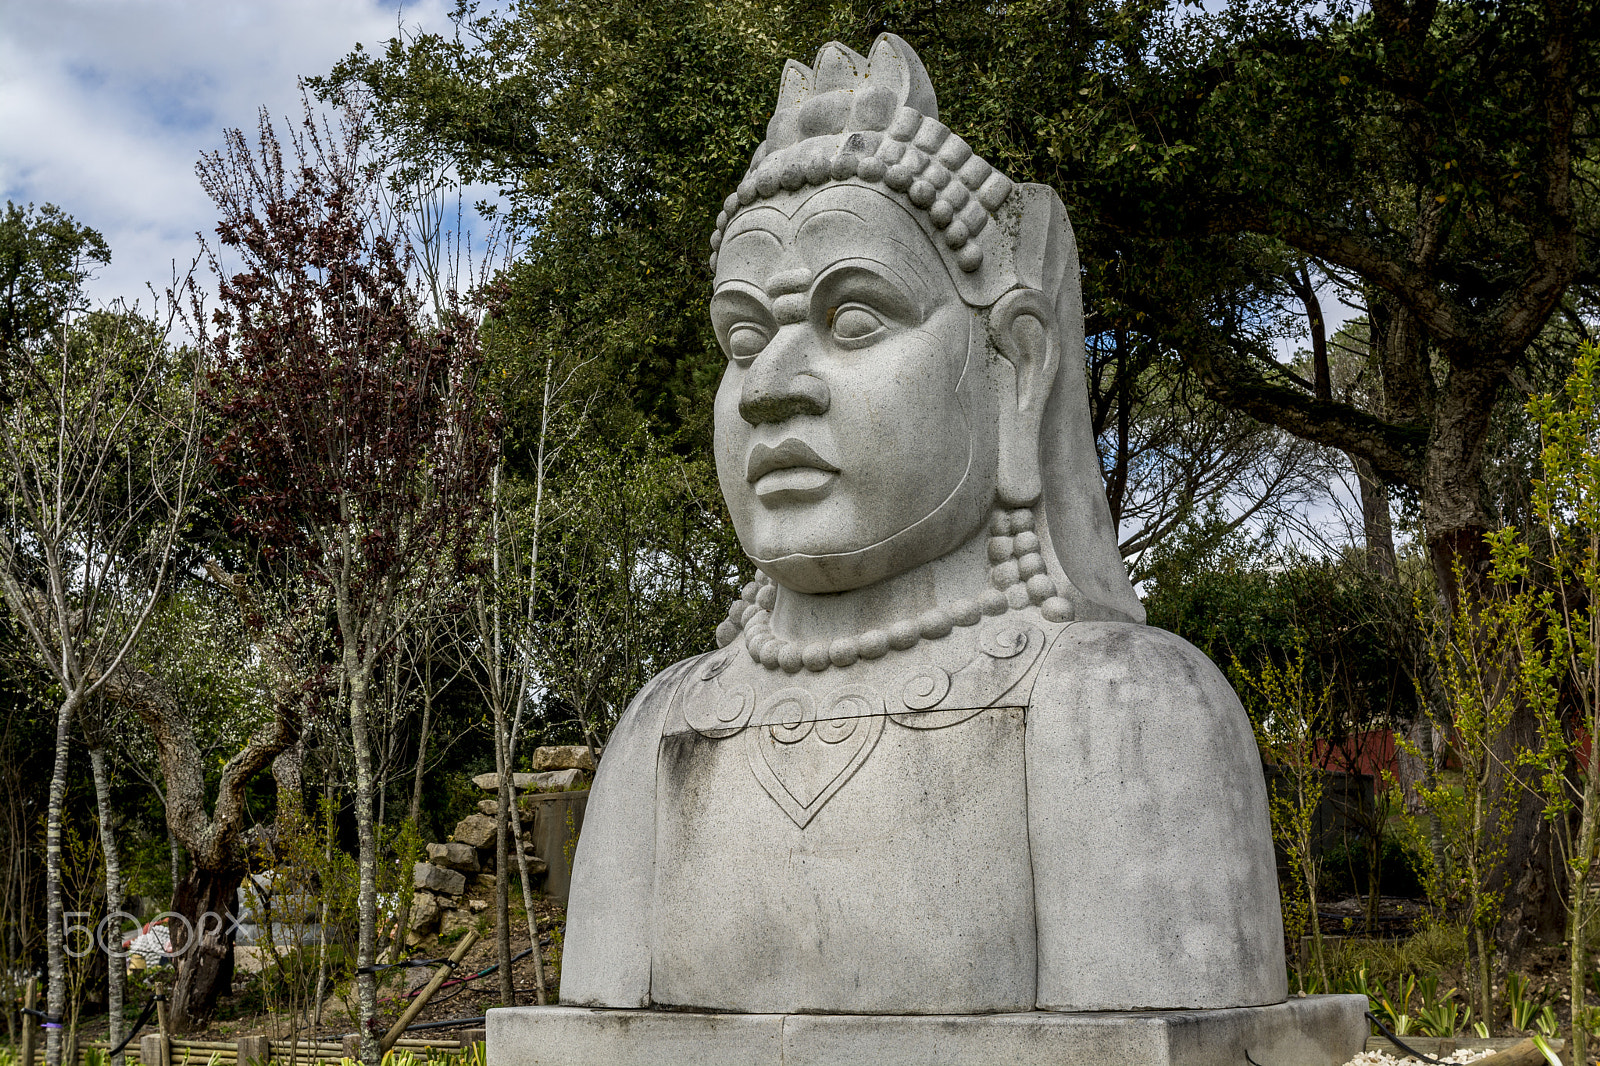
803	743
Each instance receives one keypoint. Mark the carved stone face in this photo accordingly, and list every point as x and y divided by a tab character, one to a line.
855	431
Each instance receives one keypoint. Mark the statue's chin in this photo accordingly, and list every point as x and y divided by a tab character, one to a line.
818	574
962	514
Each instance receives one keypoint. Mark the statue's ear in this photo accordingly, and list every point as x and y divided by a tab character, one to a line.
1022	326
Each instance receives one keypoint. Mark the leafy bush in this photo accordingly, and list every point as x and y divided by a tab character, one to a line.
1346	869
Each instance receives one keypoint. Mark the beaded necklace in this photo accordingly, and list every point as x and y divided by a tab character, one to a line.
1016	573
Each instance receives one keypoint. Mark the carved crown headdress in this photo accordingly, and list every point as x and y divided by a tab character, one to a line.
876	118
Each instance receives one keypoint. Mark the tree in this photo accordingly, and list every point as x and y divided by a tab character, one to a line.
355	441
101	449
1545	607
175	685
615	133
45	258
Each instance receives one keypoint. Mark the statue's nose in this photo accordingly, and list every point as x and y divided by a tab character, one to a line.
777	387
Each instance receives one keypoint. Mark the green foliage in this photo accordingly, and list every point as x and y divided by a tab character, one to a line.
614	132
1401	979
471	1055
635	574
45	257
1237	595
1474	660
304	903
1545	594
1347	867
1528	1011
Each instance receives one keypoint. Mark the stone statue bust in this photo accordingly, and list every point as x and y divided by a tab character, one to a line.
938	765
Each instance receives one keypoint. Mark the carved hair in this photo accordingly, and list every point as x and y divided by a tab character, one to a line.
874	120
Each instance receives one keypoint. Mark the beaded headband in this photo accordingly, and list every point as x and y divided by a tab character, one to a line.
876	119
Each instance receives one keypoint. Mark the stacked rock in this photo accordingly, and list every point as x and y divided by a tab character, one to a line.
454	882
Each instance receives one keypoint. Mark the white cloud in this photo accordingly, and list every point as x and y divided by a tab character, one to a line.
106	104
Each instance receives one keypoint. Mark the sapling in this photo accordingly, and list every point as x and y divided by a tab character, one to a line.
1289	716
1474	658
1556	616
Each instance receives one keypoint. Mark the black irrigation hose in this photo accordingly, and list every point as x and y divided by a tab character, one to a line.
406	964
1401	1043
144	1016
518	957
450	1023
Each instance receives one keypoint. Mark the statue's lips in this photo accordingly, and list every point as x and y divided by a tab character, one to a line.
792	470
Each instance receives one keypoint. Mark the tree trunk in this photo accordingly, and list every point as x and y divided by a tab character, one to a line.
1529	884
116	966
1377	526
208	899
367	858
326	827
1411	771
422	750
175	858
288	775
504	809
530	912
56	994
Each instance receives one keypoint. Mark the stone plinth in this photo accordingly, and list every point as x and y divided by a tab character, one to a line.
557	819
1311	1031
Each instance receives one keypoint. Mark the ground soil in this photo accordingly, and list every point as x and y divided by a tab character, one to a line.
1397	916
464	995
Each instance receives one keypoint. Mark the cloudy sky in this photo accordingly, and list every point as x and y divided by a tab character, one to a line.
106	104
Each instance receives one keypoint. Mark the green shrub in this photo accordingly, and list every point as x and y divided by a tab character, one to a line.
1346	869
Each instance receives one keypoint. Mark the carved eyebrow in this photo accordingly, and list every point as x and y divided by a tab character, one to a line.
739	296
909	299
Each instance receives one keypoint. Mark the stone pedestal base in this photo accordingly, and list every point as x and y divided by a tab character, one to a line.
1313	1031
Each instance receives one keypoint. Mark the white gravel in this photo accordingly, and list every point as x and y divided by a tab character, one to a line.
1382	1058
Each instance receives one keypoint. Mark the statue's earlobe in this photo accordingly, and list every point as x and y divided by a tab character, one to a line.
1022	326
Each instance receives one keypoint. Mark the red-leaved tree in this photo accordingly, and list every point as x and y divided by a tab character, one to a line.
352	435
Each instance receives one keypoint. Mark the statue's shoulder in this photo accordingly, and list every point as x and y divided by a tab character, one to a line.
1138	748
608	912
1127	654
641	723
1117	677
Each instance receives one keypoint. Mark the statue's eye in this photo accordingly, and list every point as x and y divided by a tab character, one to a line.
854	324
745	341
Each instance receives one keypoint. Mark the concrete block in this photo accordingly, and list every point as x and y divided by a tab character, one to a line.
575	1036
153	1050
437	879
556	825
1310	1031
